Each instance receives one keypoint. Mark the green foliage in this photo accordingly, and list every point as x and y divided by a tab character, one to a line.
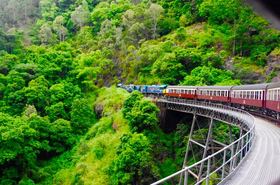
209	76
82	115
168	69
220	11
110	100
47	92
10	43
37	92
17	141
134	162
141	114
129	103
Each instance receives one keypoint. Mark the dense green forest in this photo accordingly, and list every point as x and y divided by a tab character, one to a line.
60	122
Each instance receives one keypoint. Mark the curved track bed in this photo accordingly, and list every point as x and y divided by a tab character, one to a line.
262	166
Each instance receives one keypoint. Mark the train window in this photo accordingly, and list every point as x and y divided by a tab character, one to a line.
269	95
252	94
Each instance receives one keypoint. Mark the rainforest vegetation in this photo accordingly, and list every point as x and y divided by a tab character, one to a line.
63	121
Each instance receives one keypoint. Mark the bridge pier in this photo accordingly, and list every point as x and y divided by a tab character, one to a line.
169	119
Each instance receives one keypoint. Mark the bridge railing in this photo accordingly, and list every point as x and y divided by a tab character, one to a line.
231	156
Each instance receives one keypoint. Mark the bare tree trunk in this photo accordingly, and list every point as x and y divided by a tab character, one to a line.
234	40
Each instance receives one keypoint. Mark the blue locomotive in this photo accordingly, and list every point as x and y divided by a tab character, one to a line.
146	89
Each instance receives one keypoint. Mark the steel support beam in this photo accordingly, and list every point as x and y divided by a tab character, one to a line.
209	137
188	145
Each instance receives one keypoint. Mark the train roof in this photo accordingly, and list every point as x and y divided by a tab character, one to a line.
274	85
182	87
251	87
214	87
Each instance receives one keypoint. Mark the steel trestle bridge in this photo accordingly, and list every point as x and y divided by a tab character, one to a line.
230	168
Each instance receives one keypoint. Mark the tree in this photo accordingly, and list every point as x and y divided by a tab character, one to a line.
134	163
82	116
62	137
48	9
56	111
129	103
168	69
220	11
154	12
204	75
80	16
59	28
37	93
18	142
141	114
46	34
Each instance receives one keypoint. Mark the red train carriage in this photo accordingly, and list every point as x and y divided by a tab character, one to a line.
214	93
273	97
188	92
249	95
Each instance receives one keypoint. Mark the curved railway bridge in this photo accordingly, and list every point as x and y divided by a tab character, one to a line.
251	159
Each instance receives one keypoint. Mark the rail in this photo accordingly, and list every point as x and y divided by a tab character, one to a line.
232	155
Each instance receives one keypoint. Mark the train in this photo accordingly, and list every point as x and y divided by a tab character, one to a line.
262	99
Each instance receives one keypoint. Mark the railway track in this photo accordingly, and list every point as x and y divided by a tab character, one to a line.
262	167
